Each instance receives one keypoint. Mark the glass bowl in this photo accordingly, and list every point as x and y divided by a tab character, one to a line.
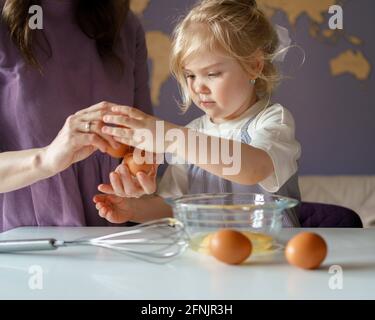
258	216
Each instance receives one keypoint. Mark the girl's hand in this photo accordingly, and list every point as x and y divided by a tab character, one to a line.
114	209
80	136
137	128
124	184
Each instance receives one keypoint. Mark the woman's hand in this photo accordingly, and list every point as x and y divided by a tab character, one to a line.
114	209
80	136
137	128
124	184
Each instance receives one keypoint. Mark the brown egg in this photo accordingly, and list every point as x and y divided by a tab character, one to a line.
230	246
306	250
119	152
135	167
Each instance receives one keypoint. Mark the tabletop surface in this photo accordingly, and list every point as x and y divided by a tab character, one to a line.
97	273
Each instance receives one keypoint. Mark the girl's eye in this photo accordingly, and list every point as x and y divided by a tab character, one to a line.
213	75
190	76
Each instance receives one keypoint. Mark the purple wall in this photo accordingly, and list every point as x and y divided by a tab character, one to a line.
334	115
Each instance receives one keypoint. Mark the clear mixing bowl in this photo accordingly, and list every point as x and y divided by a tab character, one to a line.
258	216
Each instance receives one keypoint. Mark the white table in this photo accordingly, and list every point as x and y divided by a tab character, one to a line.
98	273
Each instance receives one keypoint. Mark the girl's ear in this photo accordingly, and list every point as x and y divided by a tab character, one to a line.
257	64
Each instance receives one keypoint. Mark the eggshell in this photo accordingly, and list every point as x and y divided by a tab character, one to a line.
135	167
119	152
230	246
306	250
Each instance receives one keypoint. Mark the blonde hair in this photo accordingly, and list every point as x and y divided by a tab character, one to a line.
237	27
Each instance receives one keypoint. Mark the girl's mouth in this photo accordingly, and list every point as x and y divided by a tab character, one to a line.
207	104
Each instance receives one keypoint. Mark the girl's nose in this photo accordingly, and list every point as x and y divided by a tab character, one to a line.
200	87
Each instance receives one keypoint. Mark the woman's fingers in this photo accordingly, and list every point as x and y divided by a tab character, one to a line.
95	127
93	116
126	141
91	139
79	132
90	121
104	105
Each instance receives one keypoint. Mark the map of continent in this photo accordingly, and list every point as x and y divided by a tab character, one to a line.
315	9
353	62
347	62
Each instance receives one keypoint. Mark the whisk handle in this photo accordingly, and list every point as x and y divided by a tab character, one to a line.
27	245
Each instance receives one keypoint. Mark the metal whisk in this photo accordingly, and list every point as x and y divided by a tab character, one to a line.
157	241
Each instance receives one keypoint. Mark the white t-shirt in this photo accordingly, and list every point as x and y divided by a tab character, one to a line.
271	129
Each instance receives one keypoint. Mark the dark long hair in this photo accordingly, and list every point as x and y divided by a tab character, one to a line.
99	20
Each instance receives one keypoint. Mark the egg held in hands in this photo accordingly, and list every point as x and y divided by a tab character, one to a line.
120	152
135	167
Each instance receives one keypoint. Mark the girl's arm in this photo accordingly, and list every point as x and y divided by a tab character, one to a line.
248	165
150	208
253	165
119	210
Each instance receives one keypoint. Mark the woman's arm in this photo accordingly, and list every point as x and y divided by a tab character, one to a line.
22	168
72	144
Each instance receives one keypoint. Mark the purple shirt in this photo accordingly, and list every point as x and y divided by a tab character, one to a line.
34	107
